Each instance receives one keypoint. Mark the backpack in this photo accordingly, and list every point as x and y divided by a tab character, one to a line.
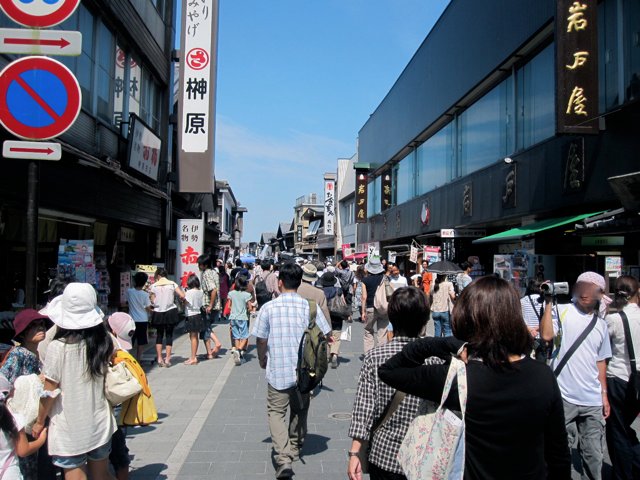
382	296
140	409
263	295
346	283
313	360
338	306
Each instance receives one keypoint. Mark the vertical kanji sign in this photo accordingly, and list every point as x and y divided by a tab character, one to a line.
190	247
329	207
196	121
577	66
386	191
362	184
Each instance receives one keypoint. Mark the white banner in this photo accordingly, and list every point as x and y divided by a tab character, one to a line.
190	247
392	256
197	86
329	207
413	256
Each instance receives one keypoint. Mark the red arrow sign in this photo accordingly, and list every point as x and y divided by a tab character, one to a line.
46	151
62	43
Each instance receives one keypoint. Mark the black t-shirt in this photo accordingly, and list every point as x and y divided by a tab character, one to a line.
371	282
515	419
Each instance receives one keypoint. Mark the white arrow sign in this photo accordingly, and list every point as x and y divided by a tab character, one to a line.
40	42
31	150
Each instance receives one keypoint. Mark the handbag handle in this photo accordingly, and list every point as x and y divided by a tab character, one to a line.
458	370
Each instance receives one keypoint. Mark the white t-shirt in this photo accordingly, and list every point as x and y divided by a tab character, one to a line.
138	301
7	447
195	301
619	365
463	280
578	380
164	296
398	282
81	418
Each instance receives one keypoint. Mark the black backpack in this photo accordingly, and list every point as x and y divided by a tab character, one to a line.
263	295
313	360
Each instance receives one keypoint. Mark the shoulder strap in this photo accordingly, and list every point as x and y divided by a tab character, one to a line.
576	344
4	360
313	312
389	410
539	315
629	341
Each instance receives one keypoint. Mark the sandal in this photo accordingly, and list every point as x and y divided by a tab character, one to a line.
167	362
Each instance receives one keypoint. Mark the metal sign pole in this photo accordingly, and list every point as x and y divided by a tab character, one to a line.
31	268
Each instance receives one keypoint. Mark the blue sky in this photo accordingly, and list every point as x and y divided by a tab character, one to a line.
297	79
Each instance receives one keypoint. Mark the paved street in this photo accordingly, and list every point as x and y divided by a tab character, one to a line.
213	420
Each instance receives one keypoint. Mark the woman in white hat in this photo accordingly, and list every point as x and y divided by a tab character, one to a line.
76	362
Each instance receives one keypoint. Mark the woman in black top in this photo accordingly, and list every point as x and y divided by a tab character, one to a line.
514	420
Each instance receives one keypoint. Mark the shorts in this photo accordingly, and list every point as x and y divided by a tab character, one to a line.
76	461
119	456
239	329
140	336
209	320
170	317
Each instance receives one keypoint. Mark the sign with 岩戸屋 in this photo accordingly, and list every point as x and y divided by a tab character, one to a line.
577	66
362	185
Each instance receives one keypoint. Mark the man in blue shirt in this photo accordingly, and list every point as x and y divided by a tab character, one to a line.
279	329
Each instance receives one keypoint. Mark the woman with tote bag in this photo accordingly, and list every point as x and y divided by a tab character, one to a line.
514	420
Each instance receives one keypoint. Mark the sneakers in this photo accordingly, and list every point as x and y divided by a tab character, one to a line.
334	361
237	357
284	471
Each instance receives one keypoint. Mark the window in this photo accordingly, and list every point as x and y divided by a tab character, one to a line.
484	130
314	226
105	60
631	43
608	55
150	106
536	99
135	78
436	160
403	179
373	197
347	211
83	67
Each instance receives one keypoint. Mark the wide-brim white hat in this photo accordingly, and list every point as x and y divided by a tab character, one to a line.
76	309
374	266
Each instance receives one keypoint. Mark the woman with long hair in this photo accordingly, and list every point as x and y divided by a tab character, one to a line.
622	441
514	418
76	362
442	297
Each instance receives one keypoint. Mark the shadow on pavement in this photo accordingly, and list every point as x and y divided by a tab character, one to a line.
153	470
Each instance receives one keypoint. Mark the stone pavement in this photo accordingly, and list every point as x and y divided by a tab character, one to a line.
213	420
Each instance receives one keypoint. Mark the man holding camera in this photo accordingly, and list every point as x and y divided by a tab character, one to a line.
580	366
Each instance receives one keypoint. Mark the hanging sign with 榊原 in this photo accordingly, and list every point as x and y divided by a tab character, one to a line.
577	66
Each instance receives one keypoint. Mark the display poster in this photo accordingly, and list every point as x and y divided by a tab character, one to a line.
190	247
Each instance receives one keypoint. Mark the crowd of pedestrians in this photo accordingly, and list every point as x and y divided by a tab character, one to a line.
551	375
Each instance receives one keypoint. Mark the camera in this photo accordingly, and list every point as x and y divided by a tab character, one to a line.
555	288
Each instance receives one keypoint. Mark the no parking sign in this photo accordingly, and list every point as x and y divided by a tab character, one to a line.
39	98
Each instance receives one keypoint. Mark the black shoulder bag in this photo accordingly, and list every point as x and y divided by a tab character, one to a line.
633	389
542	349
576	344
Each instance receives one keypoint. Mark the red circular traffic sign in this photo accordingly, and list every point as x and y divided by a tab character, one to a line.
197	58
39	98
39	13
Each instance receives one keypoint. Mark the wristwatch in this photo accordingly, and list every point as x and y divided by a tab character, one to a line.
353	454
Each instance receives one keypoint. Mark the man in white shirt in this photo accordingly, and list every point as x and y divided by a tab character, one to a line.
464	279
582	378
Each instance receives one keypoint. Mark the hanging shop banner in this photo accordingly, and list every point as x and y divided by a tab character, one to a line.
386	191
577	66
329	207
190	247
144	149
431	254
413	255
196	119
391	256
362	185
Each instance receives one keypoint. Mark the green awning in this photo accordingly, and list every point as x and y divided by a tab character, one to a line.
526	230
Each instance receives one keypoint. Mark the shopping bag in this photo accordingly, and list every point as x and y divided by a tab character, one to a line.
345	336
434	447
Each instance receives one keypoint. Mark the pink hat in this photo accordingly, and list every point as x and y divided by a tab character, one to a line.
593	278
124	327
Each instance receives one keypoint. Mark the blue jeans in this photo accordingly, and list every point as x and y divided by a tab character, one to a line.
441	324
